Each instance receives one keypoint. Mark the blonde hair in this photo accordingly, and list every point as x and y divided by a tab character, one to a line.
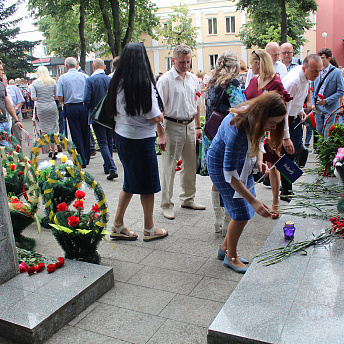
266	69
227	68
43	75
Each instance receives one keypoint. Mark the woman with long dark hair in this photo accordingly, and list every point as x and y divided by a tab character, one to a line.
229	162
137	107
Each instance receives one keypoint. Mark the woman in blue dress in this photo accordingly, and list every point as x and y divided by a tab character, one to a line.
230	159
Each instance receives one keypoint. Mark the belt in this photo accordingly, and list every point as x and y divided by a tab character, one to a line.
181	121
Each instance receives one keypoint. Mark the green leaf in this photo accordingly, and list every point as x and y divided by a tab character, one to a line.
105	232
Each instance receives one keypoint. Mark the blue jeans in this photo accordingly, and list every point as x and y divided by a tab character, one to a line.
105	141
320	119
5	126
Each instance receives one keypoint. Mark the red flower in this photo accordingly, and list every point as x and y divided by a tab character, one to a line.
51	268
95	208
15	200
18	148
12	167
31	270
61	261
79	194
57	265
62	207
73	221
178	168
78	204
23	267
40	267
179	162
321	96
331	128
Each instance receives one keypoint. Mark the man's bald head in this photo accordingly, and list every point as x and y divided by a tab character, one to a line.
98	63
287	52
273	49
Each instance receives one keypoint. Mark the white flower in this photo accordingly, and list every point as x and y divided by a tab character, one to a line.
60	155
69	163
44	164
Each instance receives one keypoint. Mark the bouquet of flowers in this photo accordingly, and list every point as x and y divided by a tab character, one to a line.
77	232
338	164
33	262
327	148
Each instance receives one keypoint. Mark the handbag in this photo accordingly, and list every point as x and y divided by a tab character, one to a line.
302	155
101	115
215	119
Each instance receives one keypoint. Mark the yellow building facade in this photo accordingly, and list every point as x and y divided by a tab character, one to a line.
218	24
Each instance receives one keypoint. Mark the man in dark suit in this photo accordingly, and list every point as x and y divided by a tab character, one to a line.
95	88
328	89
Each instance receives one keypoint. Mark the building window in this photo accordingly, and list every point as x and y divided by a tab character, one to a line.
212	26
230	24
212	61
168	63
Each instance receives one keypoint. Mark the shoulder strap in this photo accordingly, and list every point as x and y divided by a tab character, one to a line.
220	96
322	81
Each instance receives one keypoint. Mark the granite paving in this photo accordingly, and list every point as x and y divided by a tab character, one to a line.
167	291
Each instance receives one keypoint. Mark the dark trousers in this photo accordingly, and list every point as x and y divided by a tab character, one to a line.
105	141
77	117
286	186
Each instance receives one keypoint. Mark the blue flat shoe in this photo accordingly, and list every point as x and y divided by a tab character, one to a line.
221	256
227	263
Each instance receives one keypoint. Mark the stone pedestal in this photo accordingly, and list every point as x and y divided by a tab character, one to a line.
8	258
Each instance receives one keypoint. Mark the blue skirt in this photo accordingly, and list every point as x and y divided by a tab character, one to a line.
138	157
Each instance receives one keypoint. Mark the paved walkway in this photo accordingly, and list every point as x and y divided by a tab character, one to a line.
166	291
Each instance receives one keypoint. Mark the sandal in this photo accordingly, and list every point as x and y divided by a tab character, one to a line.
275	213
55	155
153	236
50	155
117	235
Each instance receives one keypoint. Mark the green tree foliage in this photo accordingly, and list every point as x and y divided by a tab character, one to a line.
14	54
279	20
178	29
62	33
123	21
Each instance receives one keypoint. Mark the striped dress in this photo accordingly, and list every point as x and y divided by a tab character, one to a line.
47	111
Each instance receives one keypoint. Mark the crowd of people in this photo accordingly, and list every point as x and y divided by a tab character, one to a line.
259	109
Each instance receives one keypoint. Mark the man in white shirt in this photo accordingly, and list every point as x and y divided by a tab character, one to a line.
296	83
177	89
273	49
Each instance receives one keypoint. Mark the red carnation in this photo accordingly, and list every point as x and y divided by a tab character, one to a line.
31	270
15	200
12	167
40	267
78	204
61	261
179	162
178	168
73	221
23	267
95	208
57	265
321	96
18	148
62	207
51	268
80	194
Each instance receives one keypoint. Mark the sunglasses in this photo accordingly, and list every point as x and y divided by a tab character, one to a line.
254	52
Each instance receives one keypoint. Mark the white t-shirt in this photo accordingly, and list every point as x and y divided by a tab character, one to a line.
136	127
280	69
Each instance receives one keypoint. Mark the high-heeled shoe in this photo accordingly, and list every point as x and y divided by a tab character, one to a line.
221	256
227	263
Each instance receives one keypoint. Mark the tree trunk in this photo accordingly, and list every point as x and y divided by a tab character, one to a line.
130	27
116	26
108	27
82	37
283	22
